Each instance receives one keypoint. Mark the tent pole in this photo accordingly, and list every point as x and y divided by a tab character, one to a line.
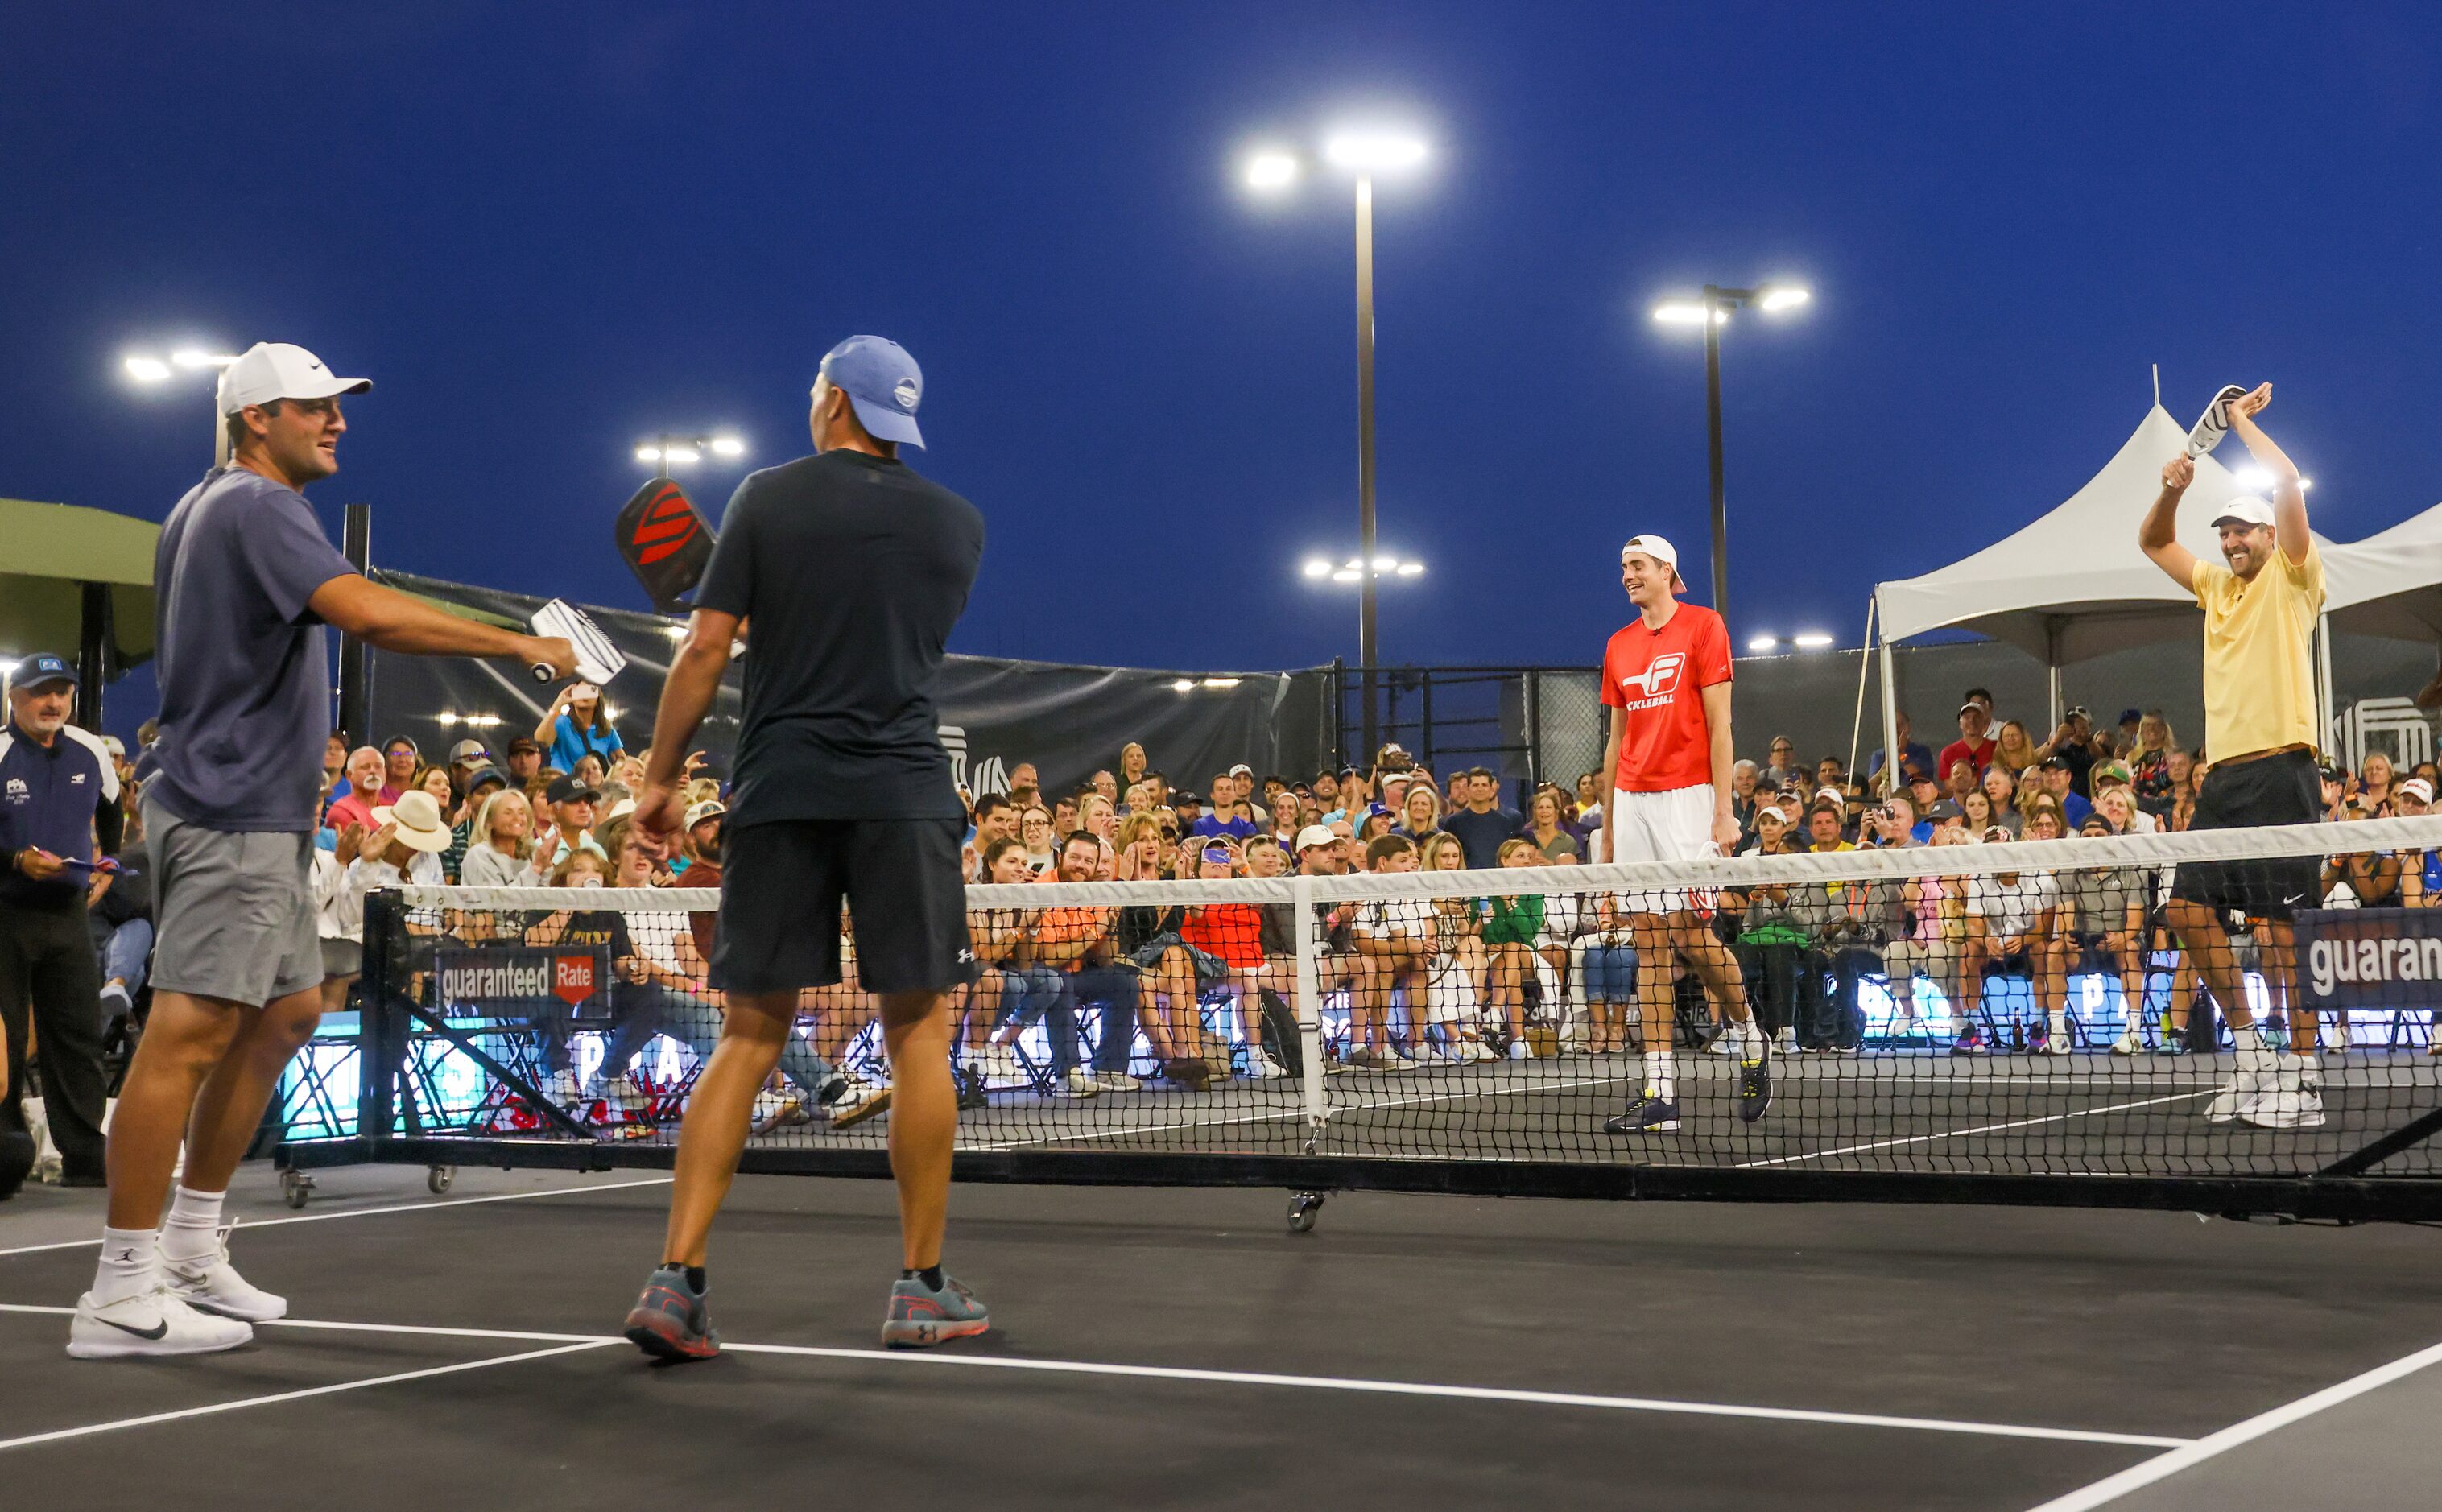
1890	715
2051	669
2325	697
1865	663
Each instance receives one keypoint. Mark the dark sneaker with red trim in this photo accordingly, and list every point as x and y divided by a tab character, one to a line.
671	1320
920	1317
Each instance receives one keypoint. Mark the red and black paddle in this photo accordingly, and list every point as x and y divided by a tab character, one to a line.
665	542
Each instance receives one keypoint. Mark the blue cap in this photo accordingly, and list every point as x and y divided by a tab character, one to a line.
42	667
882	382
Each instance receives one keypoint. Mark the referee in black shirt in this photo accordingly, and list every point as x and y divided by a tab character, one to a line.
58	785
848	571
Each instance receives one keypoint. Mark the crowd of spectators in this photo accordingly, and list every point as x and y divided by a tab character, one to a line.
1205	988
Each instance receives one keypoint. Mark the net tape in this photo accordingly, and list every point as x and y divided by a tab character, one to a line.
1504	1038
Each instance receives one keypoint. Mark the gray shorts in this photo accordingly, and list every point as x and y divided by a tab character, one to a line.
233	911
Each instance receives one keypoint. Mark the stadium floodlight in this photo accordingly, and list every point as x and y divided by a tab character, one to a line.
191	357
1761	644
1411	568
728	446
1376	151
1317	567
1220	681
1271	170
147	370
1346	575
671	450
1711	311
1810	640
1185	685
1355	570
2256	480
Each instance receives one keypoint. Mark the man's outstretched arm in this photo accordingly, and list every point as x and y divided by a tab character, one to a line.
687	697
397	622
2158	538
2289	495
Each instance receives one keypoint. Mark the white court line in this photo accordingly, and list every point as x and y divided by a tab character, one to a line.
1233	1377
437	1205
2111	1488
1981	1128
89	1429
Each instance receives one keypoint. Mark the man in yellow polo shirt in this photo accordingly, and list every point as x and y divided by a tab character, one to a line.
2259	689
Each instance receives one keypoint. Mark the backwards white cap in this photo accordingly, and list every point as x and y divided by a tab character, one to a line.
275	370
1661	551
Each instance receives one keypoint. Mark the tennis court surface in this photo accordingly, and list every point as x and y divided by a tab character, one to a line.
1181	1348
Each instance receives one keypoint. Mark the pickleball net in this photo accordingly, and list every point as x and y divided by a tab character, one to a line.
1980	1023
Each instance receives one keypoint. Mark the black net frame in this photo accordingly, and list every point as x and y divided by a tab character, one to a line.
1520	1113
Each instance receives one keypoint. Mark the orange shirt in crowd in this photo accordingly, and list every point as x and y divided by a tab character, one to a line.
1232	932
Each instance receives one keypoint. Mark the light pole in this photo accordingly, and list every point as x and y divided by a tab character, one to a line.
148	371
1712	311
670	450
1364	154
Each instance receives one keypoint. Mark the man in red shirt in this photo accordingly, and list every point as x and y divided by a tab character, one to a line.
1667	679
1974	745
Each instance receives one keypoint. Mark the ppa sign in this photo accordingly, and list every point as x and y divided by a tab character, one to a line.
2370	957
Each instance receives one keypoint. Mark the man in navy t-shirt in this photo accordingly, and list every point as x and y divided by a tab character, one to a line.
243	581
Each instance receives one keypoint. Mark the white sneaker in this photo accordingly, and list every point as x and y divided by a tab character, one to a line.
2287	1106
1518	1051
1080	1082
997	1065
1116	1081
1262	1066
2127	1044
2242	1092
772	1109
1726	1043
209	1283
1785	1042
862	1101
153	1323
560	1086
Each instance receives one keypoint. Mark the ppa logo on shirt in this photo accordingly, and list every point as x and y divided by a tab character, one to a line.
1658	680
18	791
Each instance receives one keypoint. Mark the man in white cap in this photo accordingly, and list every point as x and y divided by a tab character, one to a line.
2259	686
1666	681
243	581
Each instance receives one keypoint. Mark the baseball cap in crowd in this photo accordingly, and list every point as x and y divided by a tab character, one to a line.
2055	762
1918	774
1216	850
882	385
2418	788
1661	551
419	822
2079	711
570	790
1178	798
2244	510
407	741
1315	834
1770	812
1946	808
710	808
620	810
117	748
275	370
2111	772
465	750
42	667
2095	821
493	776
2132	715
524	744
1971	703
1830	795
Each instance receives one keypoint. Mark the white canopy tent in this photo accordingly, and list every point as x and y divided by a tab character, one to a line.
2389	584
2073	584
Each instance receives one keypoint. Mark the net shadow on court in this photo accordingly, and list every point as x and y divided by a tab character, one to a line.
1183	1348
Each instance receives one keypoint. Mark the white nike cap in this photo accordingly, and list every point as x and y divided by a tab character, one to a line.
1661	551
275	370
2247	509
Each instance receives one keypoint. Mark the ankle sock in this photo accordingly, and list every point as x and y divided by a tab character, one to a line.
929	1275
192	1231
131	1263
1657	1076
695	1275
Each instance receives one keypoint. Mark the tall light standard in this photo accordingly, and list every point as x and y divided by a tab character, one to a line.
148	371
670	450
1364	153
1712	311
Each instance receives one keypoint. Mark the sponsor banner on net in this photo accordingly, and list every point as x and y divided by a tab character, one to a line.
579	976
2370	957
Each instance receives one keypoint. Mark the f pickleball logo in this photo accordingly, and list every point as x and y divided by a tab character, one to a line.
665	541
668	524
1659	679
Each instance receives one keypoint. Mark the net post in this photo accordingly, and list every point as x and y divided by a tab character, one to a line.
1309	1011
377	1069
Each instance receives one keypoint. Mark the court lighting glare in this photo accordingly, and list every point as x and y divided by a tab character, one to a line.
1317	569
1784	297
674	456
1810	640
728	446
1271	168
1374	152
144	366
2257	480
1762	643
1680	312
147	370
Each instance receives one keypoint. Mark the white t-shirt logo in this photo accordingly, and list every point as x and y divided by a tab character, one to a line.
1659	678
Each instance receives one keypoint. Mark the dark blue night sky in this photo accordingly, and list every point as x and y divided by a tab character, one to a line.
547	230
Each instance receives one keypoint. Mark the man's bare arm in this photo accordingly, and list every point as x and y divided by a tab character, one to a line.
688	693
395	622
1716	729
2289	499
2158	538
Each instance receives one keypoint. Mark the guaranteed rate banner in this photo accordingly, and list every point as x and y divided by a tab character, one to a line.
487	977
2370	957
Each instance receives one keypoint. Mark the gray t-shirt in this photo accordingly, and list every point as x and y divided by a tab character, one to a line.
245	675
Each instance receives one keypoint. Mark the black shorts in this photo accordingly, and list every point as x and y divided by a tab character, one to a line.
2284	788
2092	951
781	884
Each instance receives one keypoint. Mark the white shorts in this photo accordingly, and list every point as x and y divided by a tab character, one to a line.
1672	826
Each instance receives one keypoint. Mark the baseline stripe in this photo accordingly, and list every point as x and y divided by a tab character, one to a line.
435	1205
88	1429
1233	1377
2111	1488
1981	1128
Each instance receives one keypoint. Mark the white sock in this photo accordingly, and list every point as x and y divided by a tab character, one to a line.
1657	1076
131	1264
2253	1054
2059	1023
1750	1037
194	1230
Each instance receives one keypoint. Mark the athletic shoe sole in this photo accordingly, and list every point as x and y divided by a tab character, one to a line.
862	1111
663	1337
925	1333
1753	1108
